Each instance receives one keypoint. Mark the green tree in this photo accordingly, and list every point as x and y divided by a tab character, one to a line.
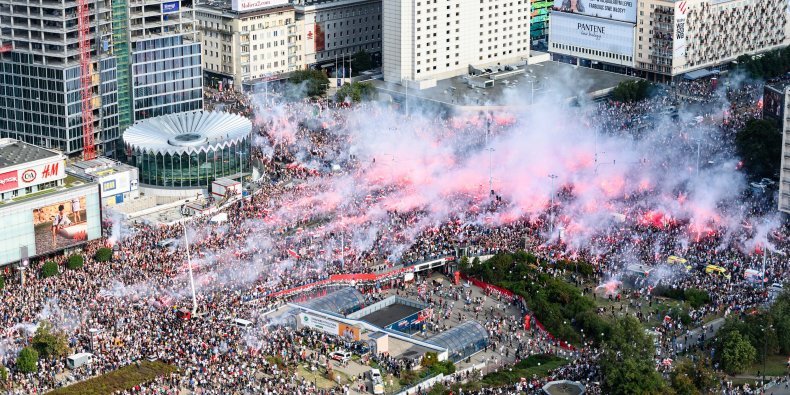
768	65
27	360
627	360
75	262
737	353
699	375
49	342
311	83
103	255
3	374
361	62
430	359
759	144
49	269
356	92
780	315
2	282
682	384
631	91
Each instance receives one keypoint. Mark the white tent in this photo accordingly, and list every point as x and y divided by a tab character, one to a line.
219	218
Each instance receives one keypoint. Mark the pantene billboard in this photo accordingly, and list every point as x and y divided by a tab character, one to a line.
249	5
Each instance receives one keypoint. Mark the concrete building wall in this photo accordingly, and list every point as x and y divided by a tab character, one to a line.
674	38
784	170
425	40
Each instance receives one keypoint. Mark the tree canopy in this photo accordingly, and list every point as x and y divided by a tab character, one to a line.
49	342
627	361
308	83
631	91
356	92
27	360
759	144
362	61
768	65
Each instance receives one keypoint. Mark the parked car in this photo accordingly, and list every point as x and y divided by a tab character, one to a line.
340	355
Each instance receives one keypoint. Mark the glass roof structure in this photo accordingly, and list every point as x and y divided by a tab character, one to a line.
462	341
343	301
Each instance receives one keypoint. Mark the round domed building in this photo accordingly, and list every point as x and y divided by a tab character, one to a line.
189	150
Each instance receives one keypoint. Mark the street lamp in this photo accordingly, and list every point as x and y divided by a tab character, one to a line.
551	204
191	277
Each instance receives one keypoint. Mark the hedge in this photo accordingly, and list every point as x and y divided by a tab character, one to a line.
103	254
49	269
2	282
75	262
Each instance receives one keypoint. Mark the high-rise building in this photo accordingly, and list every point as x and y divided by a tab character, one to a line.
145	61
665	39
675	37
337	29
427	40
243	46
165	55
776	106
40	86
539	23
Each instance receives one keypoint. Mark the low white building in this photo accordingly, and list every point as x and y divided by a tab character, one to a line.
118	182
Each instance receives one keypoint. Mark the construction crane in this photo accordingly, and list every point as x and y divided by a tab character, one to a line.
86	80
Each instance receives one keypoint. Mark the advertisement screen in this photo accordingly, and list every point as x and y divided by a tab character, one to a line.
319	38
679	42
773	107
320	324
619	10
171	6
60	225
348	332
592	33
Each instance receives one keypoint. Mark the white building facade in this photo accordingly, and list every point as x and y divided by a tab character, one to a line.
426	40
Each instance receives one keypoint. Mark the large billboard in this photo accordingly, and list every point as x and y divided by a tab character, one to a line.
590	33
773	107
319	38
679	39
61	224
9	180
319	323
49	223
249	5
619	10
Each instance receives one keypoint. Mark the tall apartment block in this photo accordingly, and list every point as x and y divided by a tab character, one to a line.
426	40
40	86
145	62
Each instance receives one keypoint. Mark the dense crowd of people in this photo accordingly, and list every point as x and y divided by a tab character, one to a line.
277	240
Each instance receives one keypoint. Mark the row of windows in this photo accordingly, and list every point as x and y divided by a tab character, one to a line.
160	77
168	109
163	100
593	52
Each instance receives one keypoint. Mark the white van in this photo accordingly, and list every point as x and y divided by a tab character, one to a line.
79	359
378	382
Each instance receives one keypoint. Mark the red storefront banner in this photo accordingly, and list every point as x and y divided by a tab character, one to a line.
8	180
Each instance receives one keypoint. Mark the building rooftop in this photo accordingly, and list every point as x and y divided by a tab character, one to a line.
226	7
14	152
535	80
187	132
92	169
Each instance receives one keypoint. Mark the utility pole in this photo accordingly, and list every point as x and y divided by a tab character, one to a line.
551	204
191	277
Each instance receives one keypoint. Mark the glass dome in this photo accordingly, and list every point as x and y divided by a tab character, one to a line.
189	149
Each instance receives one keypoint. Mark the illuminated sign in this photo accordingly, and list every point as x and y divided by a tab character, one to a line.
249	5
172	6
